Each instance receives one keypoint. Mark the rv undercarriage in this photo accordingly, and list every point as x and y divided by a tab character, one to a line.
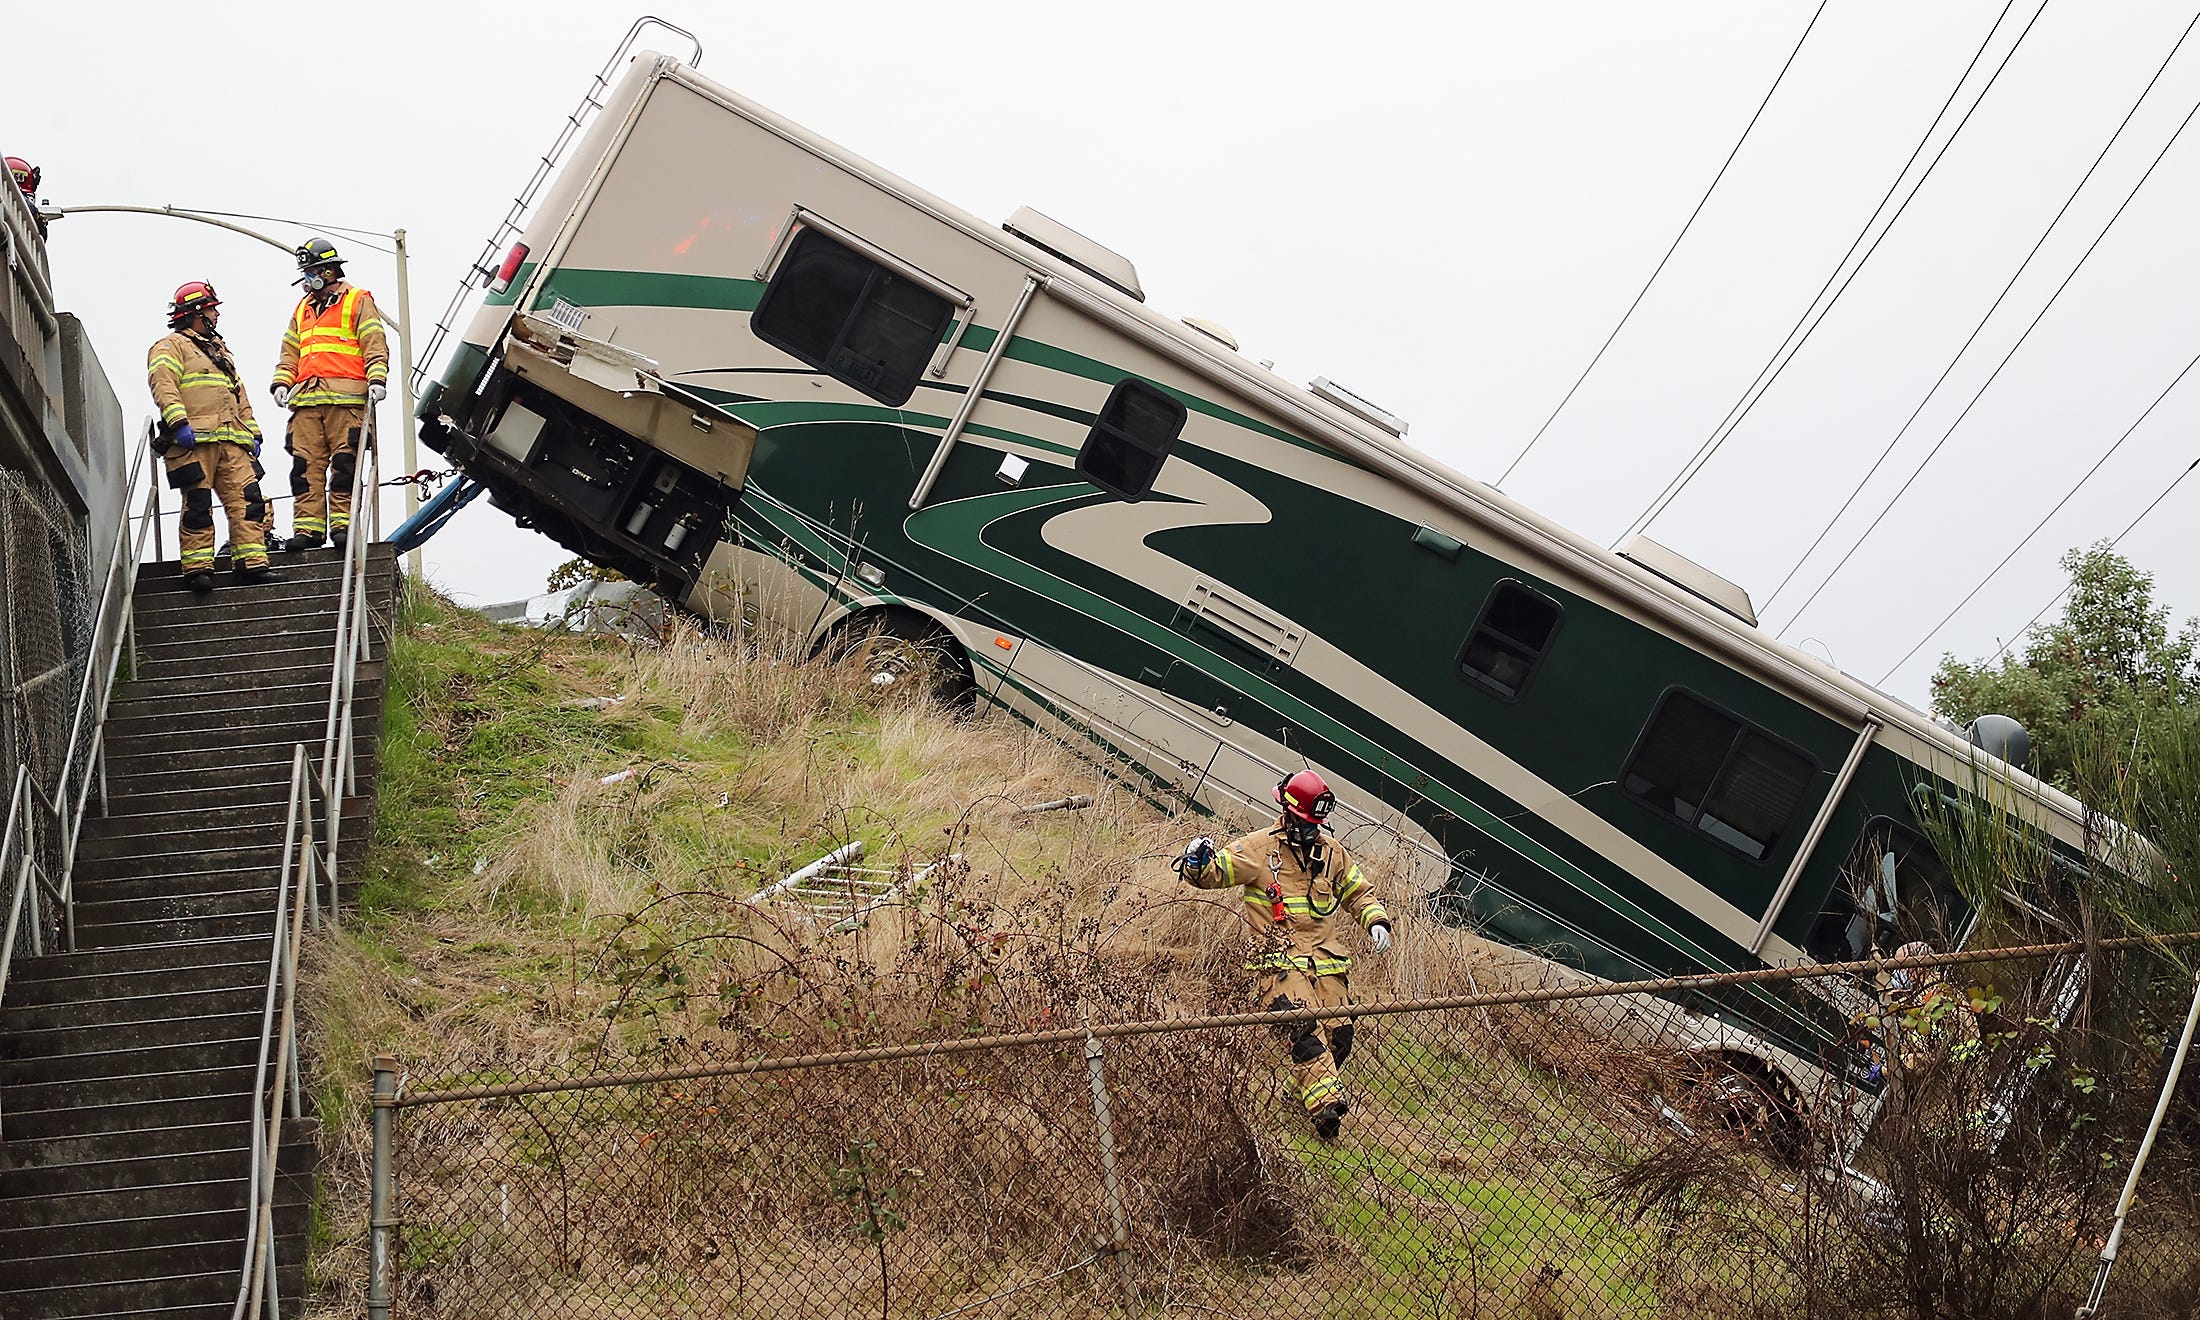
556	463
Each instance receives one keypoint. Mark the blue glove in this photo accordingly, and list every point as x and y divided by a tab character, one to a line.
1198	853
183	436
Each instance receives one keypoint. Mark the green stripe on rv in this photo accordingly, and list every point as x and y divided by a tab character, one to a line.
956	529
633	288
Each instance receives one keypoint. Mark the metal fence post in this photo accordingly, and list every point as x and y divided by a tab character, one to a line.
1119	1231
382	1206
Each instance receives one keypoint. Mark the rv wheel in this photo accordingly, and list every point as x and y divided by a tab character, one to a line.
899	652
1744	1095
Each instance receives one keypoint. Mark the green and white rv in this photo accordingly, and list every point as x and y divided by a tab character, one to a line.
731	358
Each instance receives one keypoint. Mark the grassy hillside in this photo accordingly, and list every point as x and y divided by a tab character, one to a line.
520	916
568	830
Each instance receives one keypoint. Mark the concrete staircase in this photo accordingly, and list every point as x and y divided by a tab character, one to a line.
126	1067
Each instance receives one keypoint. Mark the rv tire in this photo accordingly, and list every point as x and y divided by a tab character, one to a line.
1747	1096
887	648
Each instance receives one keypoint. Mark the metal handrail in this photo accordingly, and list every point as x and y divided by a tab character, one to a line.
114	628
294	885
305	861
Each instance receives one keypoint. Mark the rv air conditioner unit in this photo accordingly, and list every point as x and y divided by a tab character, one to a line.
1052	236
1329	390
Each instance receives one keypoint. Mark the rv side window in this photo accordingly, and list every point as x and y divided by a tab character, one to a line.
1892	890
851	318
1509	638
1131	440
1718	775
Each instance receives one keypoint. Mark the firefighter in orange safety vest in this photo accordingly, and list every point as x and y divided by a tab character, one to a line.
1300	888
335	367
208	439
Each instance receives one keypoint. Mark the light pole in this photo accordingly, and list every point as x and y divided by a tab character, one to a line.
405	401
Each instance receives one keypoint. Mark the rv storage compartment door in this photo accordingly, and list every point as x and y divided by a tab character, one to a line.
649	465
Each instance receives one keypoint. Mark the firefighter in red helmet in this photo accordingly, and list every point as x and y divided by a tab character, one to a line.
208	439
27	176
1300	888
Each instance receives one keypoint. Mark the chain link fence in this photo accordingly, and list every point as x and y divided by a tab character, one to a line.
1940	1137
47	600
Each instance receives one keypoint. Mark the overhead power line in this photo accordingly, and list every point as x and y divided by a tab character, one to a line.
1999	367
2045	518
1675	247
1976	330
2117	540
1805	325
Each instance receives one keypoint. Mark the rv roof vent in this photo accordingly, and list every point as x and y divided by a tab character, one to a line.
1325	388
1052	236
1212	331
1690	577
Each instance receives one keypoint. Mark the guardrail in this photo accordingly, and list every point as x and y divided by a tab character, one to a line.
308	857
34	813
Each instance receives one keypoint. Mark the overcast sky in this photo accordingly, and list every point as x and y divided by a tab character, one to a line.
1444	208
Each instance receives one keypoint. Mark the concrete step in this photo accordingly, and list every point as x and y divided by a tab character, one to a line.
169	627
158	613
27	994
214	657
110	962
177	1198
122	934
239	780
126	1039
136	1297
165	814
179	907
273	751
351	851
295	724
149	1060
214	826
161	577
70	1269
78	1109
290	672
268	706
291	1218
183	884
156	859
127	706
262	856
112	1009
151	1170
291	595
59	1152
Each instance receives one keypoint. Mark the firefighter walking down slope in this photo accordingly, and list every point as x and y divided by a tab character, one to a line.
1300	889
335	366
208	439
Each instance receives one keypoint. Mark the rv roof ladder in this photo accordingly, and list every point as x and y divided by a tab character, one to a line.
835	893
484	268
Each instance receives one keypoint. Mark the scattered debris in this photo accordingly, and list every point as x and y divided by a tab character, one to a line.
619	776
1074	802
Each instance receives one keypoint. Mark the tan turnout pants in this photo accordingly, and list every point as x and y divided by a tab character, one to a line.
219	470
1315	1046
324	447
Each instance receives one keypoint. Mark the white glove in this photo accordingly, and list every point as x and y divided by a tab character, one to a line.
377	391
1379	936
282	396
1198	853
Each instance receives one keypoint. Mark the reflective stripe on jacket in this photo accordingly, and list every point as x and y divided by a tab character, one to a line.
334	347
189	384
1319	894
